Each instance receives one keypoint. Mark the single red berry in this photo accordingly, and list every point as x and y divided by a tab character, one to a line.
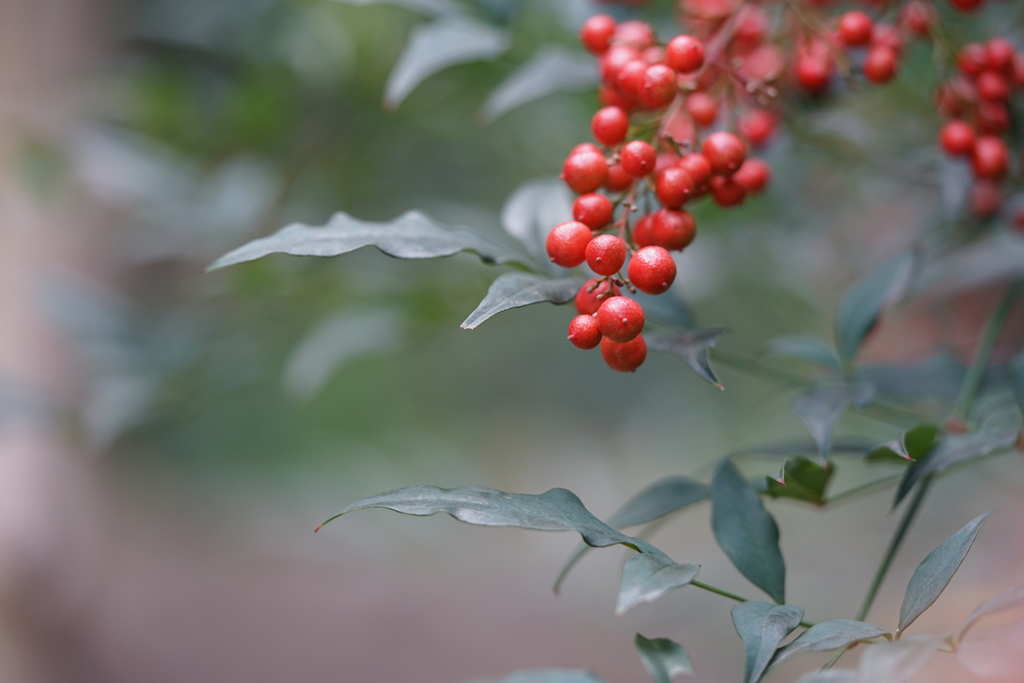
567	243
614	59
685	54
814	68
643	231
636	34
1000	53
620	319
966	5
763	64
855	28
673	230
990	158
917	17
727	192
757	126
957	138
888	35
624	357
751	28
605	254
596	33
652	270
724	152
993	118
697	166
593	210
638	158
618	180
992	85
753	175
972	59
630	80
609	125
658	87
985	197
880	64
583	332
586	147
674	187
592	295
702	107
585	171
609	96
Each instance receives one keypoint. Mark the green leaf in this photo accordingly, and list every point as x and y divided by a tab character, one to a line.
935	571
762	626
913	445
512	290
1004	601
531	211
828	635
953	449
545	676
554	510
860	306
435	46
412	235
821	407
663	658
551	70
645	578
746	532
661	498
802	479
807	348
692	347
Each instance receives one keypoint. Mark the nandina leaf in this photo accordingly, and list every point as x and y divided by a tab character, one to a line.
531	211
862	303
663	658
828	635
554	510
821	407
953	449
435	46
939	377
746	531
512	290
645	578
545	676
913	445
551	70
692	347
801	479
933	574
762	626
412	236
666	309
1004	601
805	347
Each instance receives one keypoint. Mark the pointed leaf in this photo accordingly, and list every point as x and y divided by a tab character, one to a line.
512	290
412	235
531	211
935	571
663	658
802	479
828	635
435	46
807	348
667	309
746	532
551	70
762	626
1004	601
861	304
913	445
692	347
953	449
554	510
649	578
821	407
545	676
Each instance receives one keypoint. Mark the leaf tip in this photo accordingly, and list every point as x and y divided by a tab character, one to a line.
318	528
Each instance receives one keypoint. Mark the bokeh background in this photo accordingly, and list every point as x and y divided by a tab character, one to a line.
169	439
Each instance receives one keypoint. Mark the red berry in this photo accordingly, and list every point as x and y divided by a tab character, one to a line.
638	158
814	67
702	107
637	34
764	64
624	357
990	157
643	231
972	59
593	210
652	270
567	244
665	160
757	126
724	152
992	85
957	138
880	64
596	33
698	167
727	192
620	319
586	147
592	295
993	118
658	87
685	54
1000	53
751	27
917	17
674	187
583	332
888	35
609	125
855	28
753	175
673	230
614	59
618	180
966	5
585	171
605	254
611	97
630	80
985	197
653	55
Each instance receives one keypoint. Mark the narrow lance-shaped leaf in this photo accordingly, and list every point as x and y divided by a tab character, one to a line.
746	532
828	635
762	626
913	445
551	70
861	305
545	676
821	407
645	578
933	574
805	347
554	510
412	236
663	658
512	290
1004	601
692	347
801	479
953	449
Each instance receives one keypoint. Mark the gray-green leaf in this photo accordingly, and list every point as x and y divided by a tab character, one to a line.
953	449
913	445
821	407
1005	600
531	211
802	479
762	626
805	347
828	635
692	347
746	532
545	676
512	290
551	70
861	304
645	578
663	658
933	574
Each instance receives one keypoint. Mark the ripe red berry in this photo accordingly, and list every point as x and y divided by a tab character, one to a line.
620	319
1000	53
593	210
698	167
605	254
751	27
685	54
702	107
596	33
585	171
990	157
624	357
673	230
583	332
611	97
880	64
985	198
653	55
763	64
592	295
609	125
992	85
855	28
917	17
638	158
665	160
727	192
966	5
724	152
567	243
972	59
753	175
757	126
585	147
674	187
957	138
613	60
652	270
658	87
636	34
993	118
617	180
643	231
888	35
814	68
630	80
